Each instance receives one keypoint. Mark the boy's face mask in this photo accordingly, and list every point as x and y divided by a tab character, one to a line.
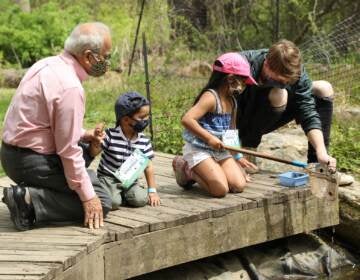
140	125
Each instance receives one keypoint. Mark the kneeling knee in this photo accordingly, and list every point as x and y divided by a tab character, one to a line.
278	97
219	191
323	89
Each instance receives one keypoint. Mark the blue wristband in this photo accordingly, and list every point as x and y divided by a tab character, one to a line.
238	156
152	190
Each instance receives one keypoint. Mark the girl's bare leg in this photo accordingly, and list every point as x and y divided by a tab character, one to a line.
234	175
211	177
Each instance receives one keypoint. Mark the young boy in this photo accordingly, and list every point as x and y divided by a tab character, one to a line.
132	117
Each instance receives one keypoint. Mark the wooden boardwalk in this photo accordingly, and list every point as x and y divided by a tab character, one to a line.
189	225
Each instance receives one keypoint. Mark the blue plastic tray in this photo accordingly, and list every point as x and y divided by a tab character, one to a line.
293	179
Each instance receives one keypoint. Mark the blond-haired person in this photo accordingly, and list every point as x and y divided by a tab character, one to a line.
285	92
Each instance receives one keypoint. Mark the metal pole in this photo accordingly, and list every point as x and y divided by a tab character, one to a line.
136	36
147	84
277	20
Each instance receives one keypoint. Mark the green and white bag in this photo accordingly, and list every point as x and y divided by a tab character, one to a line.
132	168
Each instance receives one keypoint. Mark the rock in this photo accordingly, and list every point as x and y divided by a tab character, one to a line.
290	144
349	227
348	113
222	267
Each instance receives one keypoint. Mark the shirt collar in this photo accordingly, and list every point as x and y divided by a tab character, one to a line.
71	60
122	135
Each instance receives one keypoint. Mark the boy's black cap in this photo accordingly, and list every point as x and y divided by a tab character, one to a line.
129	103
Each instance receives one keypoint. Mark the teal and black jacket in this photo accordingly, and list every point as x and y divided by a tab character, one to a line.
300	92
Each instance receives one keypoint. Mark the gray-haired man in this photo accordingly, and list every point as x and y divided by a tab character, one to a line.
42	132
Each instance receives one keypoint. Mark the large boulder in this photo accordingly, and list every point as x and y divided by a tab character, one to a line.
288	143
349	227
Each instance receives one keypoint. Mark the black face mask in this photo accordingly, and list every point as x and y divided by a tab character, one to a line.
268	82
139	126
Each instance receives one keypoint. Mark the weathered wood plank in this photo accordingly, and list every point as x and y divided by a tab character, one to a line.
160	249
187	226
91	242
46	271
66	258
135	226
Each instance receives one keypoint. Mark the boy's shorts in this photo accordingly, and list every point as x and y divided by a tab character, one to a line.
194	155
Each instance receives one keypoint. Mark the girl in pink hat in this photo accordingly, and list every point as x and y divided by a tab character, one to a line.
209	126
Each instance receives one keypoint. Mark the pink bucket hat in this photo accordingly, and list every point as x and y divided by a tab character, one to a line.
234	63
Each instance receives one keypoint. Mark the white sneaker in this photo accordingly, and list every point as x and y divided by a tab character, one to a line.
345	179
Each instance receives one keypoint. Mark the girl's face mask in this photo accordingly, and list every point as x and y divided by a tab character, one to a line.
236	85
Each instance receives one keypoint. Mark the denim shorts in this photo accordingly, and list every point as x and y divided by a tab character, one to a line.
194	155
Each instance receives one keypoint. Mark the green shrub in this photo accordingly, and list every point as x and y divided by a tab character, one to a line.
27	37
345	145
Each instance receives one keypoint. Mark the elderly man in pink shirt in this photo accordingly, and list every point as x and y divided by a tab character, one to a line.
45	150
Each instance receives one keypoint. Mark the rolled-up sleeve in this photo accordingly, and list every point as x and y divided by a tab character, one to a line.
67	124
306	108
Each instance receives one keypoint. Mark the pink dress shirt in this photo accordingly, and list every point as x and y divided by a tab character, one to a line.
46	115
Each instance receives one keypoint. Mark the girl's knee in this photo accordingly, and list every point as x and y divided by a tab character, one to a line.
323	89
218	189
237	188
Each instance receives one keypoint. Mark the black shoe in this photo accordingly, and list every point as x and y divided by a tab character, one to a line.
22	214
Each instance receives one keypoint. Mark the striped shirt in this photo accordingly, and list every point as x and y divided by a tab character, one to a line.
117	148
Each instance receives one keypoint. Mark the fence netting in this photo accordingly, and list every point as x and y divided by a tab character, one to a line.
333	57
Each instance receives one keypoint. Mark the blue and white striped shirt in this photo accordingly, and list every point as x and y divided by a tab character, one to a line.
117	148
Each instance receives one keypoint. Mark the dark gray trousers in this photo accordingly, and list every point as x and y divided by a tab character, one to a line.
51	197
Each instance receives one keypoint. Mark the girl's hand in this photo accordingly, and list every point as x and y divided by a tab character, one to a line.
244	163
215	143
154	199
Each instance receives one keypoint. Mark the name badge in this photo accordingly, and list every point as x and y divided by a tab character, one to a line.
231	138
132	168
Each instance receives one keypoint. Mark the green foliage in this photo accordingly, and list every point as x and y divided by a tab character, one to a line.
345	145
27	37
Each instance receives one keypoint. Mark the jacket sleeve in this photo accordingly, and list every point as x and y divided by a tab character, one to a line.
306	113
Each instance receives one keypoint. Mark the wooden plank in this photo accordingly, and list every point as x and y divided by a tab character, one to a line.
215	235
91	242
65	258
46	271
20	277
175	202
89	268
151	222
212	205
118	231
135	226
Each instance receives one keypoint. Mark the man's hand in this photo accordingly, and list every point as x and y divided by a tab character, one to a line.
93	213
325	159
